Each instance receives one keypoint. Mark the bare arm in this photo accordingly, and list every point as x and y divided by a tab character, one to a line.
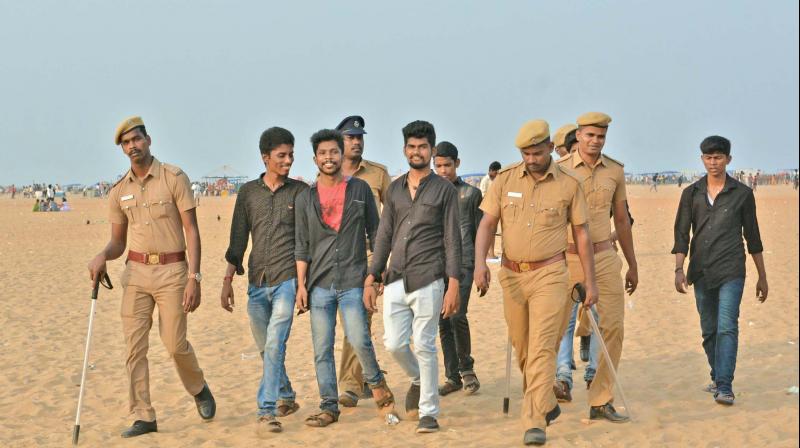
762	288
622	225
583	244
301	297
112	251
680	277
191	295
483	239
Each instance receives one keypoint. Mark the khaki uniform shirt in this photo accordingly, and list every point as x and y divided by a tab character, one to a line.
604	185
151	208
534	214
377	176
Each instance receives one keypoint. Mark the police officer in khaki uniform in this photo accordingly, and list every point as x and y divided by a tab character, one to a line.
351	377
603	181
536	201
559	139
150	209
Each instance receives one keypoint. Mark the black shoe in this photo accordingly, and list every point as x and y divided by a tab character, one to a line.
585	341
449	387
412	400
140	427
724	397
427	424
607	412
534	436
552	415
206	406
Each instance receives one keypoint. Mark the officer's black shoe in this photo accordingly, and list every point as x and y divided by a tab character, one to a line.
140	427
534	436
206	406
553	414
585	345
607	412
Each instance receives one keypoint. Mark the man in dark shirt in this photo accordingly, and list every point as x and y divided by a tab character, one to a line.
718	210
334	219
265	209
454	331
420	227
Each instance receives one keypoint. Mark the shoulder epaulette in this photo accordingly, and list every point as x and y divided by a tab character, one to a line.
124	175
614	160
370	162
509	167
172	169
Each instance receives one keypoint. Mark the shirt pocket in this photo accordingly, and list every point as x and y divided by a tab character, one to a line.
511	209
129	207
287	215
162	207
603	193
552	214
430	211
358	208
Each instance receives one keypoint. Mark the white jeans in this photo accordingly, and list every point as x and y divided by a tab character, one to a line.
415	314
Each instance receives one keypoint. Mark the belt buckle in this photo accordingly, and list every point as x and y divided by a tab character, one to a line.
153	259
524	267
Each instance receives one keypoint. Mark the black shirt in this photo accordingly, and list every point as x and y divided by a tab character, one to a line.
269	217
336	259
469	203
422	235
717	249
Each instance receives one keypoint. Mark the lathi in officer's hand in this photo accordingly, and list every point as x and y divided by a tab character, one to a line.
191	296
97	266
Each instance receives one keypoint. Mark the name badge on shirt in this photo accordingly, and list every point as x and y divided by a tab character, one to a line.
514	194
126	198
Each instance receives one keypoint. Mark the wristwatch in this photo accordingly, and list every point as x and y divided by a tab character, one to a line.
198	277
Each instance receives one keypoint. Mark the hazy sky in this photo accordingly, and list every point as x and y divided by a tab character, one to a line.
209	77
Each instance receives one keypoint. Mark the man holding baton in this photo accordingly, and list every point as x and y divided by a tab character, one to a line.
535	200
152	208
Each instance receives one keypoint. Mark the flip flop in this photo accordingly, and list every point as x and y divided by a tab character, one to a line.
287	408
471	383
321	419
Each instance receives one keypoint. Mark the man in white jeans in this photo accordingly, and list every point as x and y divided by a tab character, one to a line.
420	228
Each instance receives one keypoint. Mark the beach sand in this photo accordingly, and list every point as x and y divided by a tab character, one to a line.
46	293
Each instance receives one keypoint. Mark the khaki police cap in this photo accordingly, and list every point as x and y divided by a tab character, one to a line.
125	126
561	134
532	133
597	119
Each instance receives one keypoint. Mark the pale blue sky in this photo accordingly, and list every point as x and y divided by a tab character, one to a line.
208	77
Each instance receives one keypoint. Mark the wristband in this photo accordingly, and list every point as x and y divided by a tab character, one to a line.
228	277
679	269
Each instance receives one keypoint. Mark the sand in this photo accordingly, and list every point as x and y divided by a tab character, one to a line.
46	290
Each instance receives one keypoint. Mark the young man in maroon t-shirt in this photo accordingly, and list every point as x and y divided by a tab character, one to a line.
334	220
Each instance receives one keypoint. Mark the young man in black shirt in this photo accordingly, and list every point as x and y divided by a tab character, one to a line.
718	210
419	226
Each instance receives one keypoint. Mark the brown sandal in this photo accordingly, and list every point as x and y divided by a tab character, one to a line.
322	419
387	400
287	408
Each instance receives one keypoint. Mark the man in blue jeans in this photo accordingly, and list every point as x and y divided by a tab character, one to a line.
265	211
335	217
718	210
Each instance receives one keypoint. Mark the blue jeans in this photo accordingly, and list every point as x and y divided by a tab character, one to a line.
271	311
565	362
719	323
324	304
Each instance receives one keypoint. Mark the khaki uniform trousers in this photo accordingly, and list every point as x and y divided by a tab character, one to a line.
147	286
611	311
535	307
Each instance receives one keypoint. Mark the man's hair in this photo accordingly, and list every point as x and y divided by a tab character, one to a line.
570	139
326	135
716	145
419	129
447	149
274	137
495	166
